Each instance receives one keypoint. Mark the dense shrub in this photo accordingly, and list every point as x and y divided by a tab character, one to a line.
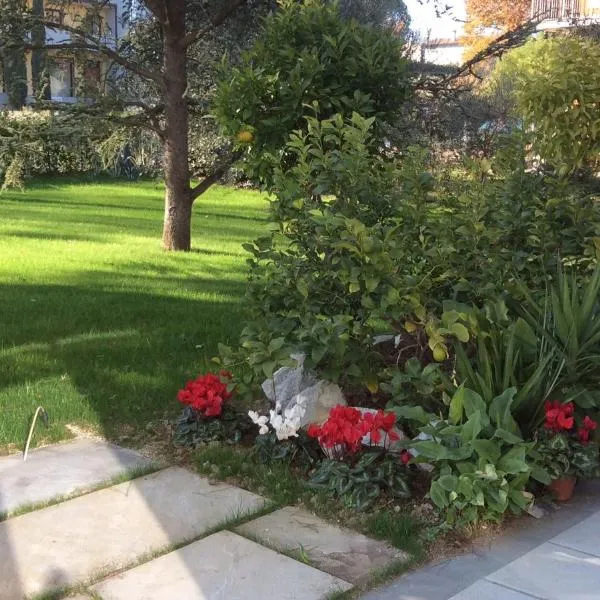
40	143
308	62
557	95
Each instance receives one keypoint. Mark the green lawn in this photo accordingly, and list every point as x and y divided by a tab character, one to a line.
97	323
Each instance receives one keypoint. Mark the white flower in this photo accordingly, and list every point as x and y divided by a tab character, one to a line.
259	420
286	431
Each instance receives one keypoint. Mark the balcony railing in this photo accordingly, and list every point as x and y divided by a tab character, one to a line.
556	10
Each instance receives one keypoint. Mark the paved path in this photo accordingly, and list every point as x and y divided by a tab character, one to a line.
163	535
554	558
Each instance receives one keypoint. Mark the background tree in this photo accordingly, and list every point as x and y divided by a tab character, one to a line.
154	60
39	73
487	19
12	51
551	88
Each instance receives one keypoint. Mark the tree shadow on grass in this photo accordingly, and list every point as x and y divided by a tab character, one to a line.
125	353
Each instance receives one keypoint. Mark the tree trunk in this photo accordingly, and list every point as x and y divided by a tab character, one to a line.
39	74
178	196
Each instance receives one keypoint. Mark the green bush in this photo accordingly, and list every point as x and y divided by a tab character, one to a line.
308	61
40	143
480	458
558	97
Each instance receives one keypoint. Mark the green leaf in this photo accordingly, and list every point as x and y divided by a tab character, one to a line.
514	462
460	331
472	428
448	482
456	406
487	449
472	402
500	411
412	413
438	495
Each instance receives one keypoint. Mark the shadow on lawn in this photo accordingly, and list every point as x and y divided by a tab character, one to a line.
125	353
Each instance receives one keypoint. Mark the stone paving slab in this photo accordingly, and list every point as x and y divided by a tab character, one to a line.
223	566
109	529
486	590
341	552
552	572
62	470
584	537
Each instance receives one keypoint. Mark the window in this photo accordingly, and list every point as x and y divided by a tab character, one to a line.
91	75
54	15
95	25
61	78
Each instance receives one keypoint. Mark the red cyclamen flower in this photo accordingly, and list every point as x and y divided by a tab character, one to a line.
206	394
405	457
559	417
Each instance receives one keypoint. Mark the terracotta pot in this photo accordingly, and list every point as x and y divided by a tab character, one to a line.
563	488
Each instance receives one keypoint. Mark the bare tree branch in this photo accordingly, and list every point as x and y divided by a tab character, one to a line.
218	172
500	45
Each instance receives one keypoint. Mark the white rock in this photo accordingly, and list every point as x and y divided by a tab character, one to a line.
288	382
320	399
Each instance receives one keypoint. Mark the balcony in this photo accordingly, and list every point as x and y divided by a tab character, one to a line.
565	13
556	10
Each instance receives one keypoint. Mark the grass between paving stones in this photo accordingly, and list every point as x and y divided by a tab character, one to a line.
127	475
98	324
82	587
284	486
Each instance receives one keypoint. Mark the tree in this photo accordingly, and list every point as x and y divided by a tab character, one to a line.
39	75
486	19
12	51
376	12
556	94
307	62
155	54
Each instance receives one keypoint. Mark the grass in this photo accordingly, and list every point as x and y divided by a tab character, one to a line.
284	486
97	323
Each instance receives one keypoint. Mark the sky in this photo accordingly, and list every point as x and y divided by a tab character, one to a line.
423	18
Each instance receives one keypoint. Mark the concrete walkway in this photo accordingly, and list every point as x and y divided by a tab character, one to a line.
163	535
554	558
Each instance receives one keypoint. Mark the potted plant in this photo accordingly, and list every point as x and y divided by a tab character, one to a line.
565	449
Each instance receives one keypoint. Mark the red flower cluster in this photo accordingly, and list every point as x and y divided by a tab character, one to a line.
206	394
585	430
559	417
346	426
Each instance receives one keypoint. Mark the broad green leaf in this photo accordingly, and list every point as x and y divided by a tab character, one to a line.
487	449
448	482
438	495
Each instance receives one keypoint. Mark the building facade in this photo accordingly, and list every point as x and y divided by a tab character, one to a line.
72	79
561	14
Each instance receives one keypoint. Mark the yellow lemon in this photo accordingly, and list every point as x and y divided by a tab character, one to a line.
410	326
245	136
439	354
373	386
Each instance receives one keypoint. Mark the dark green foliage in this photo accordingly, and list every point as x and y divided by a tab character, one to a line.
416	383
567	318
301	450
360	484
12	51
308	62
561	457
192	430
39	74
